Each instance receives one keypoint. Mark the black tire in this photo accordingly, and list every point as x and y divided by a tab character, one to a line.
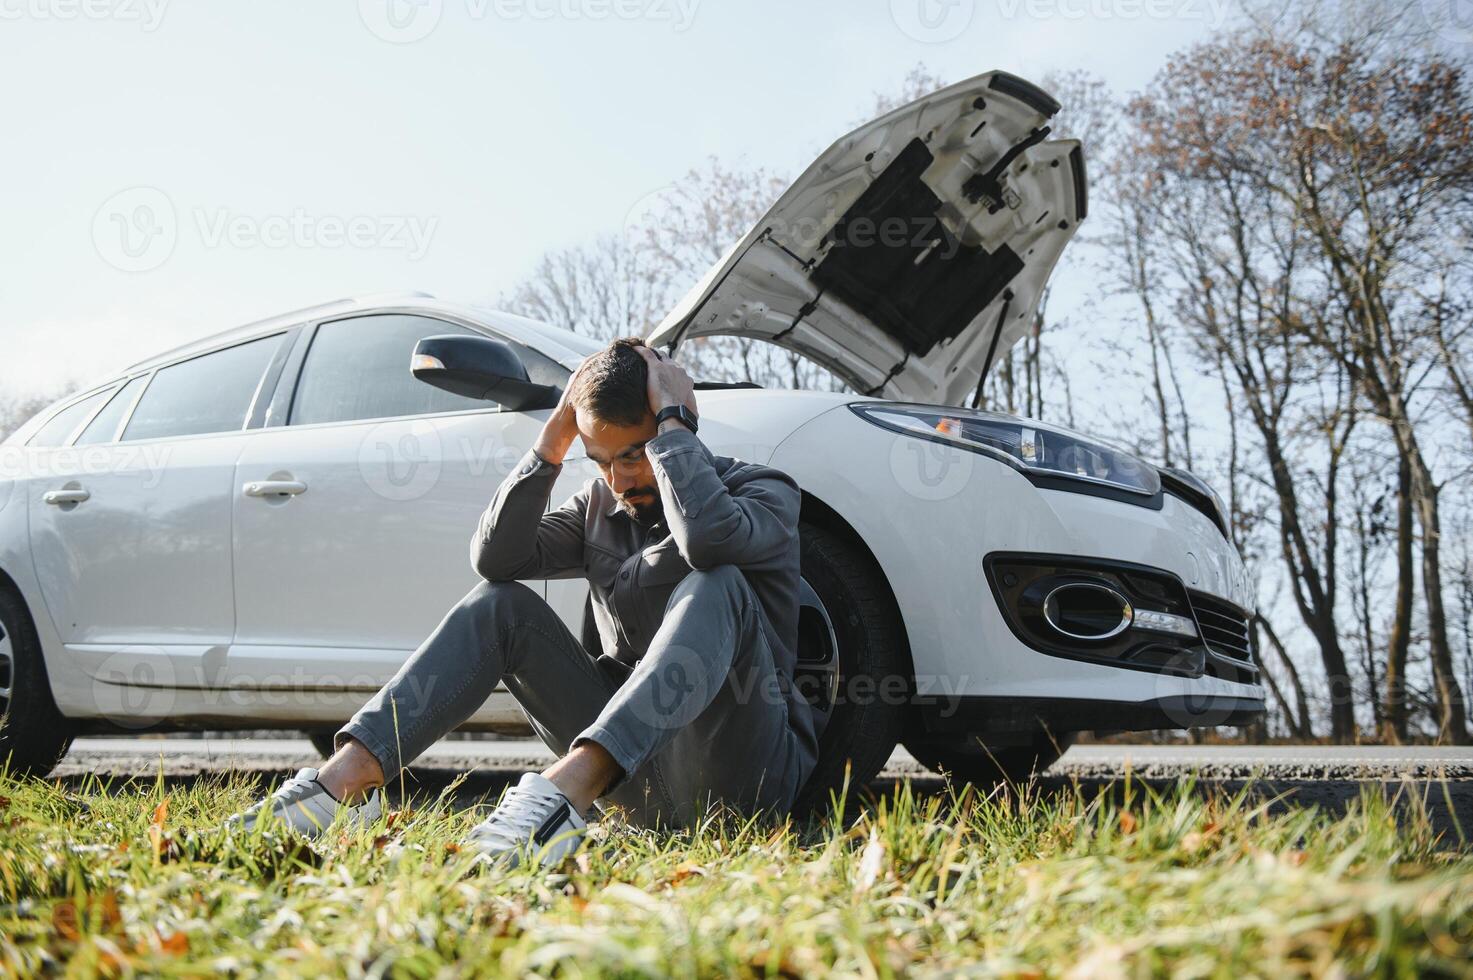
966	759
867	717
322	742
33	734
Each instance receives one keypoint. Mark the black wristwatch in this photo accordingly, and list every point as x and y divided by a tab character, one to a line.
680	412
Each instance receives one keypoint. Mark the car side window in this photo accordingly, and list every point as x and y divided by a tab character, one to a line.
104	428
61	425
209	393
358	369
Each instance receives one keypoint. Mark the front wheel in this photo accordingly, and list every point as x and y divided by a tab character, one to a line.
33	734
966	759
853	663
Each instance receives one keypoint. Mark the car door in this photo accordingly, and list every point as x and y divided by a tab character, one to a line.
130	520
353	519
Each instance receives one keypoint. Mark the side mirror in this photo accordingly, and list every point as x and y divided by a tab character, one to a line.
480	367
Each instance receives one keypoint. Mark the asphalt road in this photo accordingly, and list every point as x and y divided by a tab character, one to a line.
1329	776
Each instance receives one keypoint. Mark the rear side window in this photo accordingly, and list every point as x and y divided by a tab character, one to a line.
64	422
104	428
359	369
207	394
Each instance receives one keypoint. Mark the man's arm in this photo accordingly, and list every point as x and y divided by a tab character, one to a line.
516	540
711	523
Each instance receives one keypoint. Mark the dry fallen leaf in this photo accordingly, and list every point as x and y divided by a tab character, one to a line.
871	862
685	870
164	848
70	919
174	944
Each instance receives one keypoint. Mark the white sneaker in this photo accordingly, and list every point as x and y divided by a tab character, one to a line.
534	821
304	806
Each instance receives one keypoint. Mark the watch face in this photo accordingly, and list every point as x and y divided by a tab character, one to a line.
677	412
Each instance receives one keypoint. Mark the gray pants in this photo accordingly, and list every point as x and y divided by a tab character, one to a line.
701	718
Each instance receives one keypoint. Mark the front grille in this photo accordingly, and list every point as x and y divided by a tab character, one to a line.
1224	627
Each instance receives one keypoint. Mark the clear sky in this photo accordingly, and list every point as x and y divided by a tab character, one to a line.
173	167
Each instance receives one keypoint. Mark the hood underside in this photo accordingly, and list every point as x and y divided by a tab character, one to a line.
913	251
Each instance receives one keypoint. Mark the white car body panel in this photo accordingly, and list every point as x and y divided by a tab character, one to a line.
399	492
939	514
143	560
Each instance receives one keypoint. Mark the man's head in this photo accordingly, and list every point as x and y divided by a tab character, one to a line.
612	404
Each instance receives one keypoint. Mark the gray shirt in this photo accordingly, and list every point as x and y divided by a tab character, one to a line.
717	511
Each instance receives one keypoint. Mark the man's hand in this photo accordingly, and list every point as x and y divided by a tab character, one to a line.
561	427
669	384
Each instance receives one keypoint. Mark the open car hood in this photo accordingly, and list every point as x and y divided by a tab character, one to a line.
912	252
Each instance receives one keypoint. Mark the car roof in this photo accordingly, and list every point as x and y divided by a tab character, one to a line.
561	345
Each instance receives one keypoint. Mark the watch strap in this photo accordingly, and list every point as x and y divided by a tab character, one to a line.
679	412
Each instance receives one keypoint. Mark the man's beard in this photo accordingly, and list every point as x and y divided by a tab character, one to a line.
645	513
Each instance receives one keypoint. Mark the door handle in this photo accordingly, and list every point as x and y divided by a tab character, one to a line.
58	497
274	488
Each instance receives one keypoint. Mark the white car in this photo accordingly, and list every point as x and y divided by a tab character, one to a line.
254	531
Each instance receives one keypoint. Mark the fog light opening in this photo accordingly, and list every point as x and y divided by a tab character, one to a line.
1087	611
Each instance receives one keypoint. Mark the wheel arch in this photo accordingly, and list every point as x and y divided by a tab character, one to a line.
814	510
10	585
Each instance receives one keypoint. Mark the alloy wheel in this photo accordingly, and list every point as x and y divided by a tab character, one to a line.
7	671
817	670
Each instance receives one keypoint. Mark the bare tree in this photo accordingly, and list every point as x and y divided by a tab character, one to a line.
605	289
16	411
1346	162
1237	270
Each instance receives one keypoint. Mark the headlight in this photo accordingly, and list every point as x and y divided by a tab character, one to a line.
1043	452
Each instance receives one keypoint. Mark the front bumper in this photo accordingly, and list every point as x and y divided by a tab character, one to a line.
995	718
931	514
1218	645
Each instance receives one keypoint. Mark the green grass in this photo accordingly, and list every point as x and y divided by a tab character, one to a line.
137	878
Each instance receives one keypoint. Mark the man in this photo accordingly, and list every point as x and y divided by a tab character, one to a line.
692	562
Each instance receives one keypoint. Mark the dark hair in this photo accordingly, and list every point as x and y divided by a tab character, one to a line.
614	387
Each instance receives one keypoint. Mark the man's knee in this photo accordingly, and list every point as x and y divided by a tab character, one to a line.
489	601
722	578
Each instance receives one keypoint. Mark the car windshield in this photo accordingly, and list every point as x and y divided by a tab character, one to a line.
579	344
